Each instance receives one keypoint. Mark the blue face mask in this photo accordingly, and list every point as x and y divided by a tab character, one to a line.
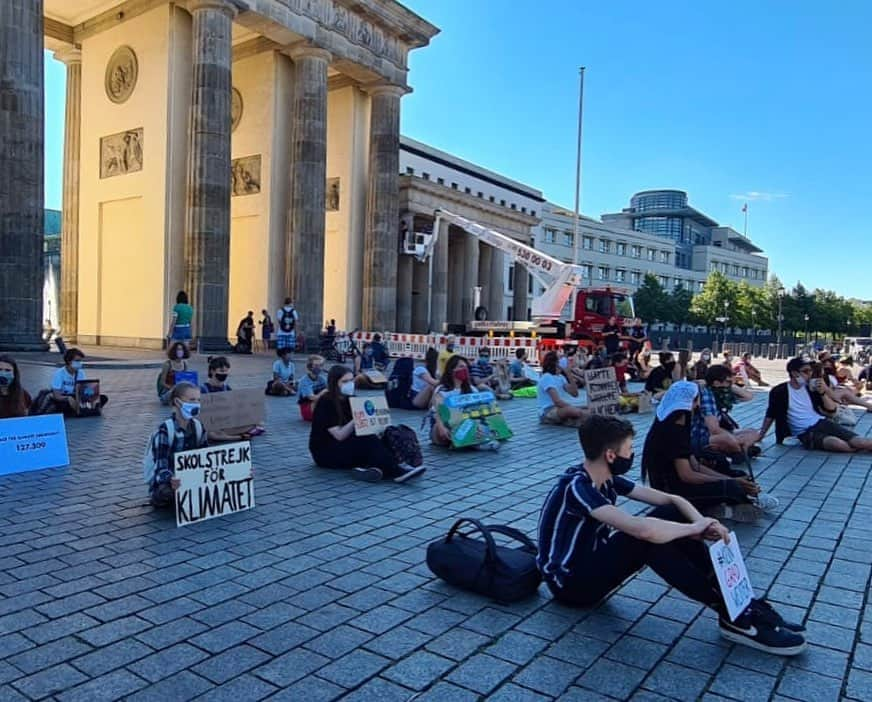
189	410
484	360
6	377
76	365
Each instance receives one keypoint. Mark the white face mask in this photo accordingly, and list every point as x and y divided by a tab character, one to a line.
347	389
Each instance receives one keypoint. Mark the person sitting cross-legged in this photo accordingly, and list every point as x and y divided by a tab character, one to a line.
63	384
669	464
589	547
660	378
283	382
312	385
555	390
803	410
519	373
482	373
333	443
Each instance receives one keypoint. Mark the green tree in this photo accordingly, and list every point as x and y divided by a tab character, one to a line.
680	301
709	304
652	302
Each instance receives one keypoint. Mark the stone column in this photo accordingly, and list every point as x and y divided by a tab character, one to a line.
470	277
519	292
382	205
305	249
404	281
485	256
439	290
496	289
456	251
21	175
207	236
420	296
69	297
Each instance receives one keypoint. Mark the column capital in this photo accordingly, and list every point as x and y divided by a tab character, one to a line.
69	56
228	7
297	51
378	89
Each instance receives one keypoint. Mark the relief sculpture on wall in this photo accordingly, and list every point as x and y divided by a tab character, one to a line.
245	175
121	153
236	108
332	195
122	71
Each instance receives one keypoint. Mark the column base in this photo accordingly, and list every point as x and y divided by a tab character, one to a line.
35	343
214	345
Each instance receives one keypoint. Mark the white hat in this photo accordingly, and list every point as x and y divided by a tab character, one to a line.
680	396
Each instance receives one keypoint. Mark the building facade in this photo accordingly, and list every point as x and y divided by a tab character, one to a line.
241	151
466	273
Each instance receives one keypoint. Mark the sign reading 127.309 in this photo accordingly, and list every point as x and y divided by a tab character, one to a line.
33	443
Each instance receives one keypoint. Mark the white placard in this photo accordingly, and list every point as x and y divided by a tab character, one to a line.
732	575
603	391
33	443
215	481
371	414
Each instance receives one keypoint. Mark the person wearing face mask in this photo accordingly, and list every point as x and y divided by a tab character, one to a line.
446	353
712	428
746	370
804	410
366	370
702	365
14	399
176	362
219	372
283	382
313	384
588	546
669	463
454	381
333	443
660	378
482	373
835	389
181	432
63	383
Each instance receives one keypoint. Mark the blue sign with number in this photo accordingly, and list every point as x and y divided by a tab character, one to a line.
33	443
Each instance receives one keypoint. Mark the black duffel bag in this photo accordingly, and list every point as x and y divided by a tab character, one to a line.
503	573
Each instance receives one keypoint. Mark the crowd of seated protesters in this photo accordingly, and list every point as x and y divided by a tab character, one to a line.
334	444
839	382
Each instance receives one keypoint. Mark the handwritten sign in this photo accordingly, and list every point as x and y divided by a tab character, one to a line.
214	481
371	415
33	443
230	410
732	575
603	392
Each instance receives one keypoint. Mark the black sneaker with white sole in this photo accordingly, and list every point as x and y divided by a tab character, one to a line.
368	475
767	612
752	629
409	473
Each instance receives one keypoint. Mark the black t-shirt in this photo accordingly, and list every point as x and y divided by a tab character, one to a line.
659	379
611	333
666	442
324	417
638	333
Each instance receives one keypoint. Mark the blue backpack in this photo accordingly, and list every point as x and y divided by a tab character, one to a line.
399	390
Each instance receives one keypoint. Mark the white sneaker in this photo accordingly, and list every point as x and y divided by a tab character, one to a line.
408	473
767	502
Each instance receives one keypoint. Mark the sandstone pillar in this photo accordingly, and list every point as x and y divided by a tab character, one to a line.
519	294
305	247
207	237
470	277
21	175
497	284
404	282
69	298
439	291
382	205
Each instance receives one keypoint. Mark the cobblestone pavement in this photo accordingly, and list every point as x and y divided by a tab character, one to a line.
321	591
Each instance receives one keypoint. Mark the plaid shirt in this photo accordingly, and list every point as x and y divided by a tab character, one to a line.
163	449
708	407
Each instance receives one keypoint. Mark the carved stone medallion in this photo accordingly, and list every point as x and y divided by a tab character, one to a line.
235	109
121	74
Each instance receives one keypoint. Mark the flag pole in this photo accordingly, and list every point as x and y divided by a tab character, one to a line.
575	239
745	210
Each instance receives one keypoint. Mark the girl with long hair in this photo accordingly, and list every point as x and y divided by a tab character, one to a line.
454	381
14	399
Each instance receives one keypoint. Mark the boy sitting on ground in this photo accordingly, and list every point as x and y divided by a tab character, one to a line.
588	547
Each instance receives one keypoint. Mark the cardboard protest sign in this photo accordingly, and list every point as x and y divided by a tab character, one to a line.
732	575
376	376
474	418
33	443
215	481
603	391
230	410
88	397
371	414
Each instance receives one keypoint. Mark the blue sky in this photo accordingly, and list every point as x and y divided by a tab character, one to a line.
768	103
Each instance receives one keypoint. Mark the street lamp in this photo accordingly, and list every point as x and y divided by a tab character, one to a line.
723	321
780	320
805	317
753	329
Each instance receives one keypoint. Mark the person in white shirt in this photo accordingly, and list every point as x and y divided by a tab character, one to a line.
63	383
424	380
555	391
283	382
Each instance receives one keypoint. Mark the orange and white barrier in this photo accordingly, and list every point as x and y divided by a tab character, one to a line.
416	345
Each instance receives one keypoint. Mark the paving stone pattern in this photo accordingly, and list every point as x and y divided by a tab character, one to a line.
322	593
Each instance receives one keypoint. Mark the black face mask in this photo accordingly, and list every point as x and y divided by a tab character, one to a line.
621	464
221	377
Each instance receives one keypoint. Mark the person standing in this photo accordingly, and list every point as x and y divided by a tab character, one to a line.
286	319
266	329
180	324
245	334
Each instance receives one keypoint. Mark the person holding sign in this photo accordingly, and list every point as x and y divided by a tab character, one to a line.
14	399
555	390
219	371
63	384
333	443
177	362
454	381
588	547
181	432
